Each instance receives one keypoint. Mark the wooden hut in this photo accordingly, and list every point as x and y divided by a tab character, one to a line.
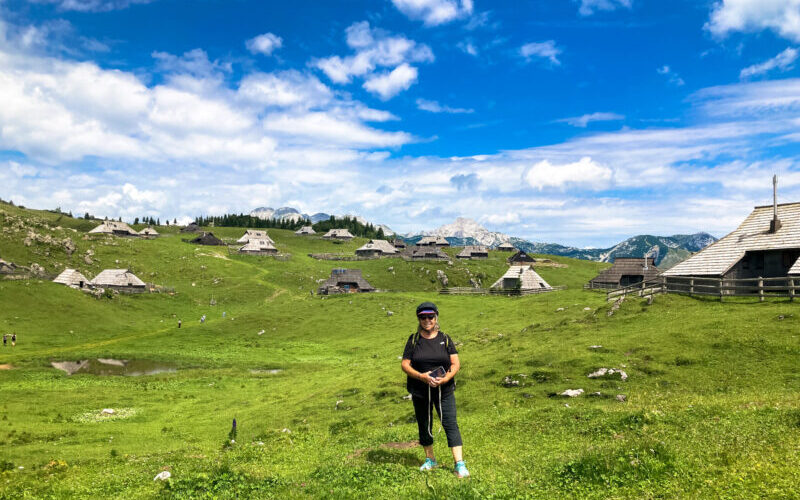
376	248
191	228
252	234
114	227
7	267
149	233
305	231
766	244
207	239
433	241
121	280
259	247
626	271
521	278
521	257
506	247
338	234
71	278
473	252
399	243
425	253
345	281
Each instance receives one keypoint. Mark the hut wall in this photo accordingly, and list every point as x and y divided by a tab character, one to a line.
765	264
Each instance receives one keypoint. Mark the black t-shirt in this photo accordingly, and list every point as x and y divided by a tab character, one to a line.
427	355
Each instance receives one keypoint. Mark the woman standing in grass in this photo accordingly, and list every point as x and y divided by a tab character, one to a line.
425	351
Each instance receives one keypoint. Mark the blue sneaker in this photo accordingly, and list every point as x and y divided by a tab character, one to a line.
428	464
461	469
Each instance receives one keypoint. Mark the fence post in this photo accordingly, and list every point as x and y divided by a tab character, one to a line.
760	289
663	285
721	288
791	289
691	286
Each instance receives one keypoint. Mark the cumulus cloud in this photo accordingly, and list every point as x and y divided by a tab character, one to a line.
434	12
284	89
672	77
545	50
582	173
584	120
435	107
264	44
374	48
782	62
388	85
589	7
779	16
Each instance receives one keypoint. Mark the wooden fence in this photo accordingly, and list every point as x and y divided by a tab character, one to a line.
497	291
710	286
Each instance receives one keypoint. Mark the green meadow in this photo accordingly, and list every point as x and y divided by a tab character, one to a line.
711	406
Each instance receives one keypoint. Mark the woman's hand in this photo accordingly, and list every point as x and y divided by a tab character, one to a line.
431	381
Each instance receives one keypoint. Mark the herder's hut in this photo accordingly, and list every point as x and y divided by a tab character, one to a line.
114	227
207	239
521	278
252	234
72	278
766	244
259	247
121	280
376	248
521	257
191	228
425	253
626	271
7	267
434	241
148	232
399	244
506	247
345	281
338	234
473	252
305	231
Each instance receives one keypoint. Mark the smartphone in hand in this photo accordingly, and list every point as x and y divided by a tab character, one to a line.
437	372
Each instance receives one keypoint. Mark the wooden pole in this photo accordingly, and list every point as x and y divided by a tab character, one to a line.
760	289
721	288
791	289
691	286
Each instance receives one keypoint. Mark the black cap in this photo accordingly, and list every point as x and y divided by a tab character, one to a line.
427	308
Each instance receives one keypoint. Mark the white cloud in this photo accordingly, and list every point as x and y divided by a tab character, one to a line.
502	219
374	48
435	107
388	85
264	44
783	62
322	128
468	47
546	50
756	99
780	16
584	120
434	12
582	173
589	7
92	5
284	89
672	77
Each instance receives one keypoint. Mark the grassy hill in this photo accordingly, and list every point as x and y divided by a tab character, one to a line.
711	409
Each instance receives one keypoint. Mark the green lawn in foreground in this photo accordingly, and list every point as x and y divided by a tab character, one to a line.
712	411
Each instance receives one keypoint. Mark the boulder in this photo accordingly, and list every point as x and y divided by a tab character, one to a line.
608	372
509	382
162	476
107	411
572	393
442	277
621	398
37	270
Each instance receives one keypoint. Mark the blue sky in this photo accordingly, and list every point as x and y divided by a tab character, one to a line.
581	122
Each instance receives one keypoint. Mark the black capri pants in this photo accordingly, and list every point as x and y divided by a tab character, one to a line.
423	409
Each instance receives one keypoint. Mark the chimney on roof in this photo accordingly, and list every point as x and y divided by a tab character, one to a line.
775	223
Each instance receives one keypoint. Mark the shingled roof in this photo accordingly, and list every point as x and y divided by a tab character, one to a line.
627	266
148	231
192	227
521	257
258	246
345	280
381	246
339	234
752	235
71	277
439	241
120	278
305	230
527	278
426	252
207	239
252	234
114	227
473	251
506	247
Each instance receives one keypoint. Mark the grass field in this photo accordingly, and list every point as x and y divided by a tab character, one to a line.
712	404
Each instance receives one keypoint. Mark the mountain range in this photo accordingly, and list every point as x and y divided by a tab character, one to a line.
294	215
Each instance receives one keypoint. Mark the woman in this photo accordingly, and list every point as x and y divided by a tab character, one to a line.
425	351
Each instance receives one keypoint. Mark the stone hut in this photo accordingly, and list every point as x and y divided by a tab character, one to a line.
305	231
114	227
338	234
473	252
259	247
207	239
522	278
345	281
376	248
626	271
121	280
72	278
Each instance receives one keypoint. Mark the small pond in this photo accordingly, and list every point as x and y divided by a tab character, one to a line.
108	366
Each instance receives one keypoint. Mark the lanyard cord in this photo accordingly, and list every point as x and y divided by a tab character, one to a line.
430	415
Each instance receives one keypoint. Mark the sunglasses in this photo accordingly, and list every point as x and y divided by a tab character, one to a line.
427	316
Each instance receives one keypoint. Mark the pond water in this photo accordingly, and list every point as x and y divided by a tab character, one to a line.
108	366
